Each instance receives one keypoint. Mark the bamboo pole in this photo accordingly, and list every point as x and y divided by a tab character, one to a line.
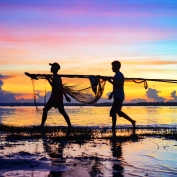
136	80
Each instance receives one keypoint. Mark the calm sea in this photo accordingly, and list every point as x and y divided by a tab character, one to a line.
90	116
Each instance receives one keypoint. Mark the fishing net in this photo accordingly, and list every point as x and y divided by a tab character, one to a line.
84	89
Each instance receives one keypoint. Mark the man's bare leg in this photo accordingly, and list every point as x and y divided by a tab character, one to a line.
114	118
67	119
44	117
113	132
62	111
122	114
44	114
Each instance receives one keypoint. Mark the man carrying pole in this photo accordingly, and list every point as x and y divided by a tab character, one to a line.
118	95
56	98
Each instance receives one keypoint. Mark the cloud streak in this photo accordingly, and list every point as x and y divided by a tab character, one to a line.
98	34
6	76
138	100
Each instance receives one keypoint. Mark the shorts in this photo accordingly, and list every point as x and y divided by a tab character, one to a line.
116	106
55	104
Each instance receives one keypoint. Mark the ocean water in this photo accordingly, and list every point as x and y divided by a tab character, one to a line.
90	116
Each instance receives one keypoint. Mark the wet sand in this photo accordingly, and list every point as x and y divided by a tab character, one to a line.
49	155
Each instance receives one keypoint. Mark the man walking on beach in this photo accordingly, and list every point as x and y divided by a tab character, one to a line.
56	98
118	95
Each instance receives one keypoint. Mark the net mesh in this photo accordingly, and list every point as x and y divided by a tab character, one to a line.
84	90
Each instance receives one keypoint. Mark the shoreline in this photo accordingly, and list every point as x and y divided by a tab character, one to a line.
97	104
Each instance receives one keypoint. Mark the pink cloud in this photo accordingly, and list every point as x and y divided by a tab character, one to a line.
98	35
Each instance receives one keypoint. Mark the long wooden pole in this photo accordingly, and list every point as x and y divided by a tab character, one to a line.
137	80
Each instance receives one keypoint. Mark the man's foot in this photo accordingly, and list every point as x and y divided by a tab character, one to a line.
134	126
41	127
113	127
113	131
70	126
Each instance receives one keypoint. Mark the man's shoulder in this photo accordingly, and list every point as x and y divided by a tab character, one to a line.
119	74
57	79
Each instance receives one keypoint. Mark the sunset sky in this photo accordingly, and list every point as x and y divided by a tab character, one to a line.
84	37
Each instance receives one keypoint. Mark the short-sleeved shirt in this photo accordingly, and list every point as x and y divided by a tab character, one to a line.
57	93
119	92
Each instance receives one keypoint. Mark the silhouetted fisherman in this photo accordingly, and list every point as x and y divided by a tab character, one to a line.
118	95
56	98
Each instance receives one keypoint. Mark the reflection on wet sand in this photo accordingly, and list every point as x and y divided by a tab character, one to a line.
116	148
65	153
80	155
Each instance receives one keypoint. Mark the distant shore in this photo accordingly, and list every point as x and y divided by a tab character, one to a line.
97	104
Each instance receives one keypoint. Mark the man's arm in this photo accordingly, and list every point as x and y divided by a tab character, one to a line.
116	84
60	85
49	79
110	96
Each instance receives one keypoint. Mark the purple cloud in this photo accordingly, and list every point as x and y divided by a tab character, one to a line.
138	100
174	96
153	94
7	97
1	84
5	76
